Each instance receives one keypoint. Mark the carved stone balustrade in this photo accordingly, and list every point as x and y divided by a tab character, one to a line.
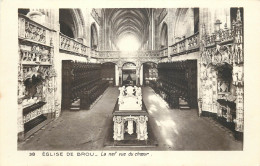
94	53
193	41
223	47
164	52
33	31
210	40
189	44
72	46
109	54
153	53
222	36
182	46
226	35
174	49
135	54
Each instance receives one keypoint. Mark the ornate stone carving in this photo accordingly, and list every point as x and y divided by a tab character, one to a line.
36	74
57	108
35	55
130	98
130	127
141	130
118	128
188	44
239	121
223	50
73	46
238	75
35	33
141	127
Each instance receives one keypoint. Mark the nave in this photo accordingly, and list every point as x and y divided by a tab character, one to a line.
174	129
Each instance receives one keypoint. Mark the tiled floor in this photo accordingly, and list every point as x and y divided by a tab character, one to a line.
174	129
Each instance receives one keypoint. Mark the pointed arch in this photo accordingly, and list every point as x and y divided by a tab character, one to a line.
72	23
93	36
164	36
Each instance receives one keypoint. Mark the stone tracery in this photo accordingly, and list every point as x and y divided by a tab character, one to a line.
220	52
224	48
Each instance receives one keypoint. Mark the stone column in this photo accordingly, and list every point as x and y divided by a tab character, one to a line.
141	128
57	63
120	76
141	75
118	128
116	76
137	75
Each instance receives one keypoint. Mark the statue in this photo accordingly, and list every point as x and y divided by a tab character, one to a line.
130	98
141	131
129	91
118	128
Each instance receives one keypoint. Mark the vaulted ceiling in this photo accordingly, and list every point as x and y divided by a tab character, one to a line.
122	21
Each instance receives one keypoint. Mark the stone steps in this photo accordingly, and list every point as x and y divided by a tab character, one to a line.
183	104
75	106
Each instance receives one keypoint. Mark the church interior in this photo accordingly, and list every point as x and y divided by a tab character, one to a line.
130	79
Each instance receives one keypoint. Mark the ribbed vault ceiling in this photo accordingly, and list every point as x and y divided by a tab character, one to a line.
122	21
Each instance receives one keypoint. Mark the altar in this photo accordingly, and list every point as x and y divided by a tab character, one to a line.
130	114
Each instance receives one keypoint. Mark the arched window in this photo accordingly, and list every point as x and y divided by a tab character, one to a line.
94	36
164	36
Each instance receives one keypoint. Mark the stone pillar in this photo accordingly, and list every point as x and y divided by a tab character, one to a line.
116	76
57	63
137	75
120	76
118	128
141	128
141	75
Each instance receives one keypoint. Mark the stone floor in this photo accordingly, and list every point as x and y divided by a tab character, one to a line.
174	129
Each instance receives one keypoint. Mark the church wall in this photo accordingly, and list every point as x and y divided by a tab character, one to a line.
170	22
89	13
219	61
208	17
162	17
180	26
221	66
183	23
49	19
37	88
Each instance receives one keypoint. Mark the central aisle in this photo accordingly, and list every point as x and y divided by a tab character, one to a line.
173	128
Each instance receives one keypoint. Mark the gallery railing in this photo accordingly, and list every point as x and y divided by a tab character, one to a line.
163	52
222	36
32	31
125	54
94	54
189	44
73	46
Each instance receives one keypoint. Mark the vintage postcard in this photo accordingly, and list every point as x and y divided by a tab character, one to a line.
129	82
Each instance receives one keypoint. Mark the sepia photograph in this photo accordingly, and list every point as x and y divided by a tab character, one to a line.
130	78
129	83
